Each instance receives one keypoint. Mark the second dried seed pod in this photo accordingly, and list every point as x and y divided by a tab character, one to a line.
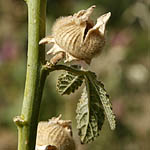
56	134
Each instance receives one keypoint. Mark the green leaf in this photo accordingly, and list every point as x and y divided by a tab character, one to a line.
90	109
90	114
99	88
68	83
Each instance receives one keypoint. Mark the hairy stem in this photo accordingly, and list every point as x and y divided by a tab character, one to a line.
35	76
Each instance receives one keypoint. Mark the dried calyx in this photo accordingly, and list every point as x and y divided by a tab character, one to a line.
76	37
56	134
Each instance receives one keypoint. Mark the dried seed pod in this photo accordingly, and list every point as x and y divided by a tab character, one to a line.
77	36
56	134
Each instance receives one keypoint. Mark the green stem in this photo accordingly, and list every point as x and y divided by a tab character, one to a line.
35	76
49	68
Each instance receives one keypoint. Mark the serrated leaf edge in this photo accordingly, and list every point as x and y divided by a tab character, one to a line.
111	120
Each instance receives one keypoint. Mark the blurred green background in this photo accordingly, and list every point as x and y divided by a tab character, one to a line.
124	68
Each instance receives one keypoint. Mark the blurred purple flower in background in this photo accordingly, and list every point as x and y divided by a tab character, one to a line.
8	50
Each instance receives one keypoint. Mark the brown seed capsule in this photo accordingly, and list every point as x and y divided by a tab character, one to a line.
56	134
77	36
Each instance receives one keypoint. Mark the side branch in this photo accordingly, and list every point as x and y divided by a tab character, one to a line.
49	68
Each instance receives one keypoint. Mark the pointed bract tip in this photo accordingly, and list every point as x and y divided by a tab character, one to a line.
107	16
101	22
104	18
91	8
47	40
43	41
94	6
